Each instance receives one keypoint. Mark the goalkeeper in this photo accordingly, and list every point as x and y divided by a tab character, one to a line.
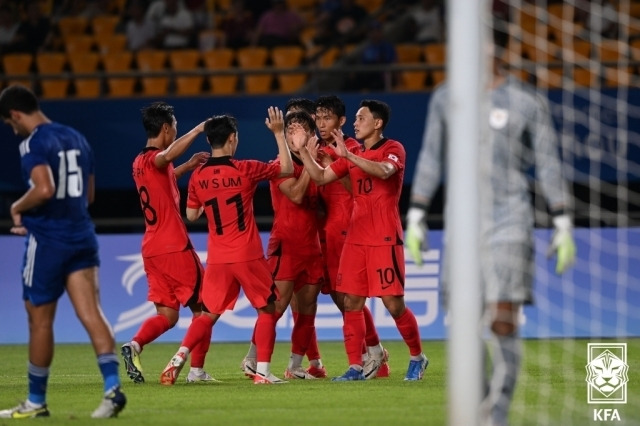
520	138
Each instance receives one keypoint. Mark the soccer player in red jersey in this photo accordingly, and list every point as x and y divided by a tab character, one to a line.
372	260
223	188
174	271
338	202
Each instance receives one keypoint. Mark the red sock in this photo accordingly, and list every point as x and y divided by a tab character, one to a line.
265	331
408	328
278	315
151	329
200	350
198	330
301	333
353	331
371	336
313	351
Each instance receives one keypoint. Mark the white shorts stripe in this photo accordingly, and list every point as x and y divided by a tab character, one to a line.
27	273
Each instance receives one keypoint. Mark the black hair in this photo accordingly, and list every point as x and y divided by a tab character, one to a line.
300	104
155	116
333	104
378	109
17	97
301	117
218	129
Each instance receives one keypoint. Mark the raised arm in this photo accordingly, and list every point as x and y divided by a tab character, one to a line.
178	147
275	123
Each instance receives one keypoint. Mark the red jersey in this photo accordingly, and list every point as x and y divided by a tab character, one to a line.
338	201
165	231
225	188
295	226
375	220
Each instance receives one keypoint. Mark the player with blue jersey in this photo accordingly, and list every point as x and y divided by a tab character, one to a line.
61	247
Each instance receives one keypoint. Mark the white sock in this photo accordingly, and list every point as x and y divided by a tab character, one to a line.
356	367
417	357
185	350
252	351
196	370
316	362
30	404
295	360
263	368
136	346
375	350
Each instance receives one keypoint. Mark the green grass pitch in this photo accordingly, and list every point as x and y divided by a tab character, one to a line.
552	389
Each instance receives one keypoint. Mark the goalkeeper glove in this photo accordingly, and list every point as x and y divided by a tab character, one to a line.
416	234
562	243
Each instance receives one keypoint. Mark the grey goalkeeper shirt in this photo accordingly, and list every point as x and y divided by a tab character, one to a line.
521	139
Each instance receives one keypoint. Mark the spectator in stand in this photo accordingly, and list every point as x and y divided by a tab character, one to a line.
377	51
599	18
139	30
426	21
345	22
236	24
8	28
278	26
34	33
174	25
202	18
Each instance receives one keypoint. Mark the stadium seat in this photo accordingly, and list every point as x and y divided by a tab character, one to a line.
110	43
254	58
412	80
52	64
186	60
544	56
370	5
408	53
72	25
151	61
434	54
104	24
322	56
220	59
118	62
288	57
78	43
17	67
85	63
609	52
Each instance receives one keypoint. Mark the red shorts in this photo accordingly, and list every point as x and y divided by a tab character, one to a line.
302	270
332	253
174	278
222	283
371	271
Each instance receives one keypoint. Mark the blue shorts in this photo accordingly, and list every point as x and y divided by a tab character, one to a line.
45	269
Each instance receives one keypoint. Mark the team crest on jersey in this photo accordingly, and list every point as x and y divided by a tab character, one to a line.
498	118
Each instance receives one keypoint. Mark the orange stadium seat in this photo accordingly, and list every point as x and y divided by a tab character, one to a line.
17	67
104	24
288	57
220	59
85	63
52	63
254	58
186	60
72	25
435	55
152	61
78	43
408	53
118	62
110	43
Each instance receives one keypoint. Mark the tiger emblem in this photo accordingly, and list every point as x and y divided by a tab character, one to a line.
607	373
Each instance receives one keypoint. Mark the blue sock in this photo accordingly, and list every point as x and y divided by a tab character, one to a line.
38	378
108	364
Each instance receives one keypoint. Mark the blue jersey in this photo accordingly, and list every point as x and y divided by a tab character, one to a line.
64	219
